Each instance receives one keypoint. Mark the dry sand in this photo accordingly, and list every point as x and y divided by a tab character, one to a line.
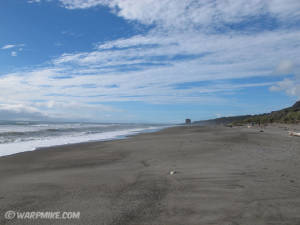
223	176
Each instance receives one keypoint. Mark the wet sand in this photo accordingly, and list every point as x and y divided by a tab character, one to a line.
223	176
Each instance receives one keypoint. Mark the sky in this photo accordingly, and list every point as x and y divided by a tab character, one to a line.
147	60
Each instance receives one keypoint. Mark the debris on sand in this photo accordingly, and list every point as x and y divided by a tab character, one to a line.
172	172
291	133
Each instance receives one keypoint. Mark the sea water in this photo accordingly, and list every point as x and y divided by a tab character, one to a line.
27	136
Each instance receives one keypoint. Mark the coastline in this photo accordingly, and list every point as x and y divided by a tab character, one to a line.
222	176
27	146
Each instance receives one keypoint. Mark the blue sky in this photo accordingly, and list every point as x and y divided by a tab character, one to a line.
147	60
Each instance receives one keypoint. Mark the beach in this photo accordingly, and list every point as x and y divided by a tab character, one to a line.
177	176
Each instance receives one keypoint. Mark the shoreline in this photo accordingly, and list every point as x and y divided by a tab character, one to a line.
118	137
221	176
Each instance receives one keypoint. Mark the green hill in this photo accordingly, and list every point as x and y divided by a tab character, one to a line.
287	115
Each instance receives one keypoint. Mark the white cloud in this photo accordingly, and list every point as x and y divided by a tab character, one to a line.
53	110
291	86
82	4
33	1
73	105
238	56
218	115
183	47
191	13
21	111
8	46
285	67
18	108
16	48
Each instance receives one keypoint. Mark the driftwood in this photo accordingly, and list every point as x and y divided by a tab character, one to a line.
291	133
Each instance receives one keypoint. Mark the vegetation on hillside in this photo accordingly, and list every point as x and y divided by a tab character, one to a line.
280	117
287	115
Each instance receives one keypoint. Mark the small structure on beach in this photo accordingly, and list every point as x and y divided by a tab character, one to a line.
188	121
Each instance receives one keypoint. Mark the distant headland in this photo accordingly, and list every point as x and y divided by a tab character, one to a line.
287	115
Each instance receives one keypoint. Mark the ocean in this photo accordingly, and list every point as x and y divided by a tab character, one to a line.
27	136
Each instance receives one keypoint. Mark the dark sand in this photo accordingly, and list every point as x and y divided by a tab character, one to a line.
225	176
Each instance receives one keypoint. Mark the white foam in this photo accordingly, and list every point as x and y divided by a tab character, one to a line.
41	127
16	147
